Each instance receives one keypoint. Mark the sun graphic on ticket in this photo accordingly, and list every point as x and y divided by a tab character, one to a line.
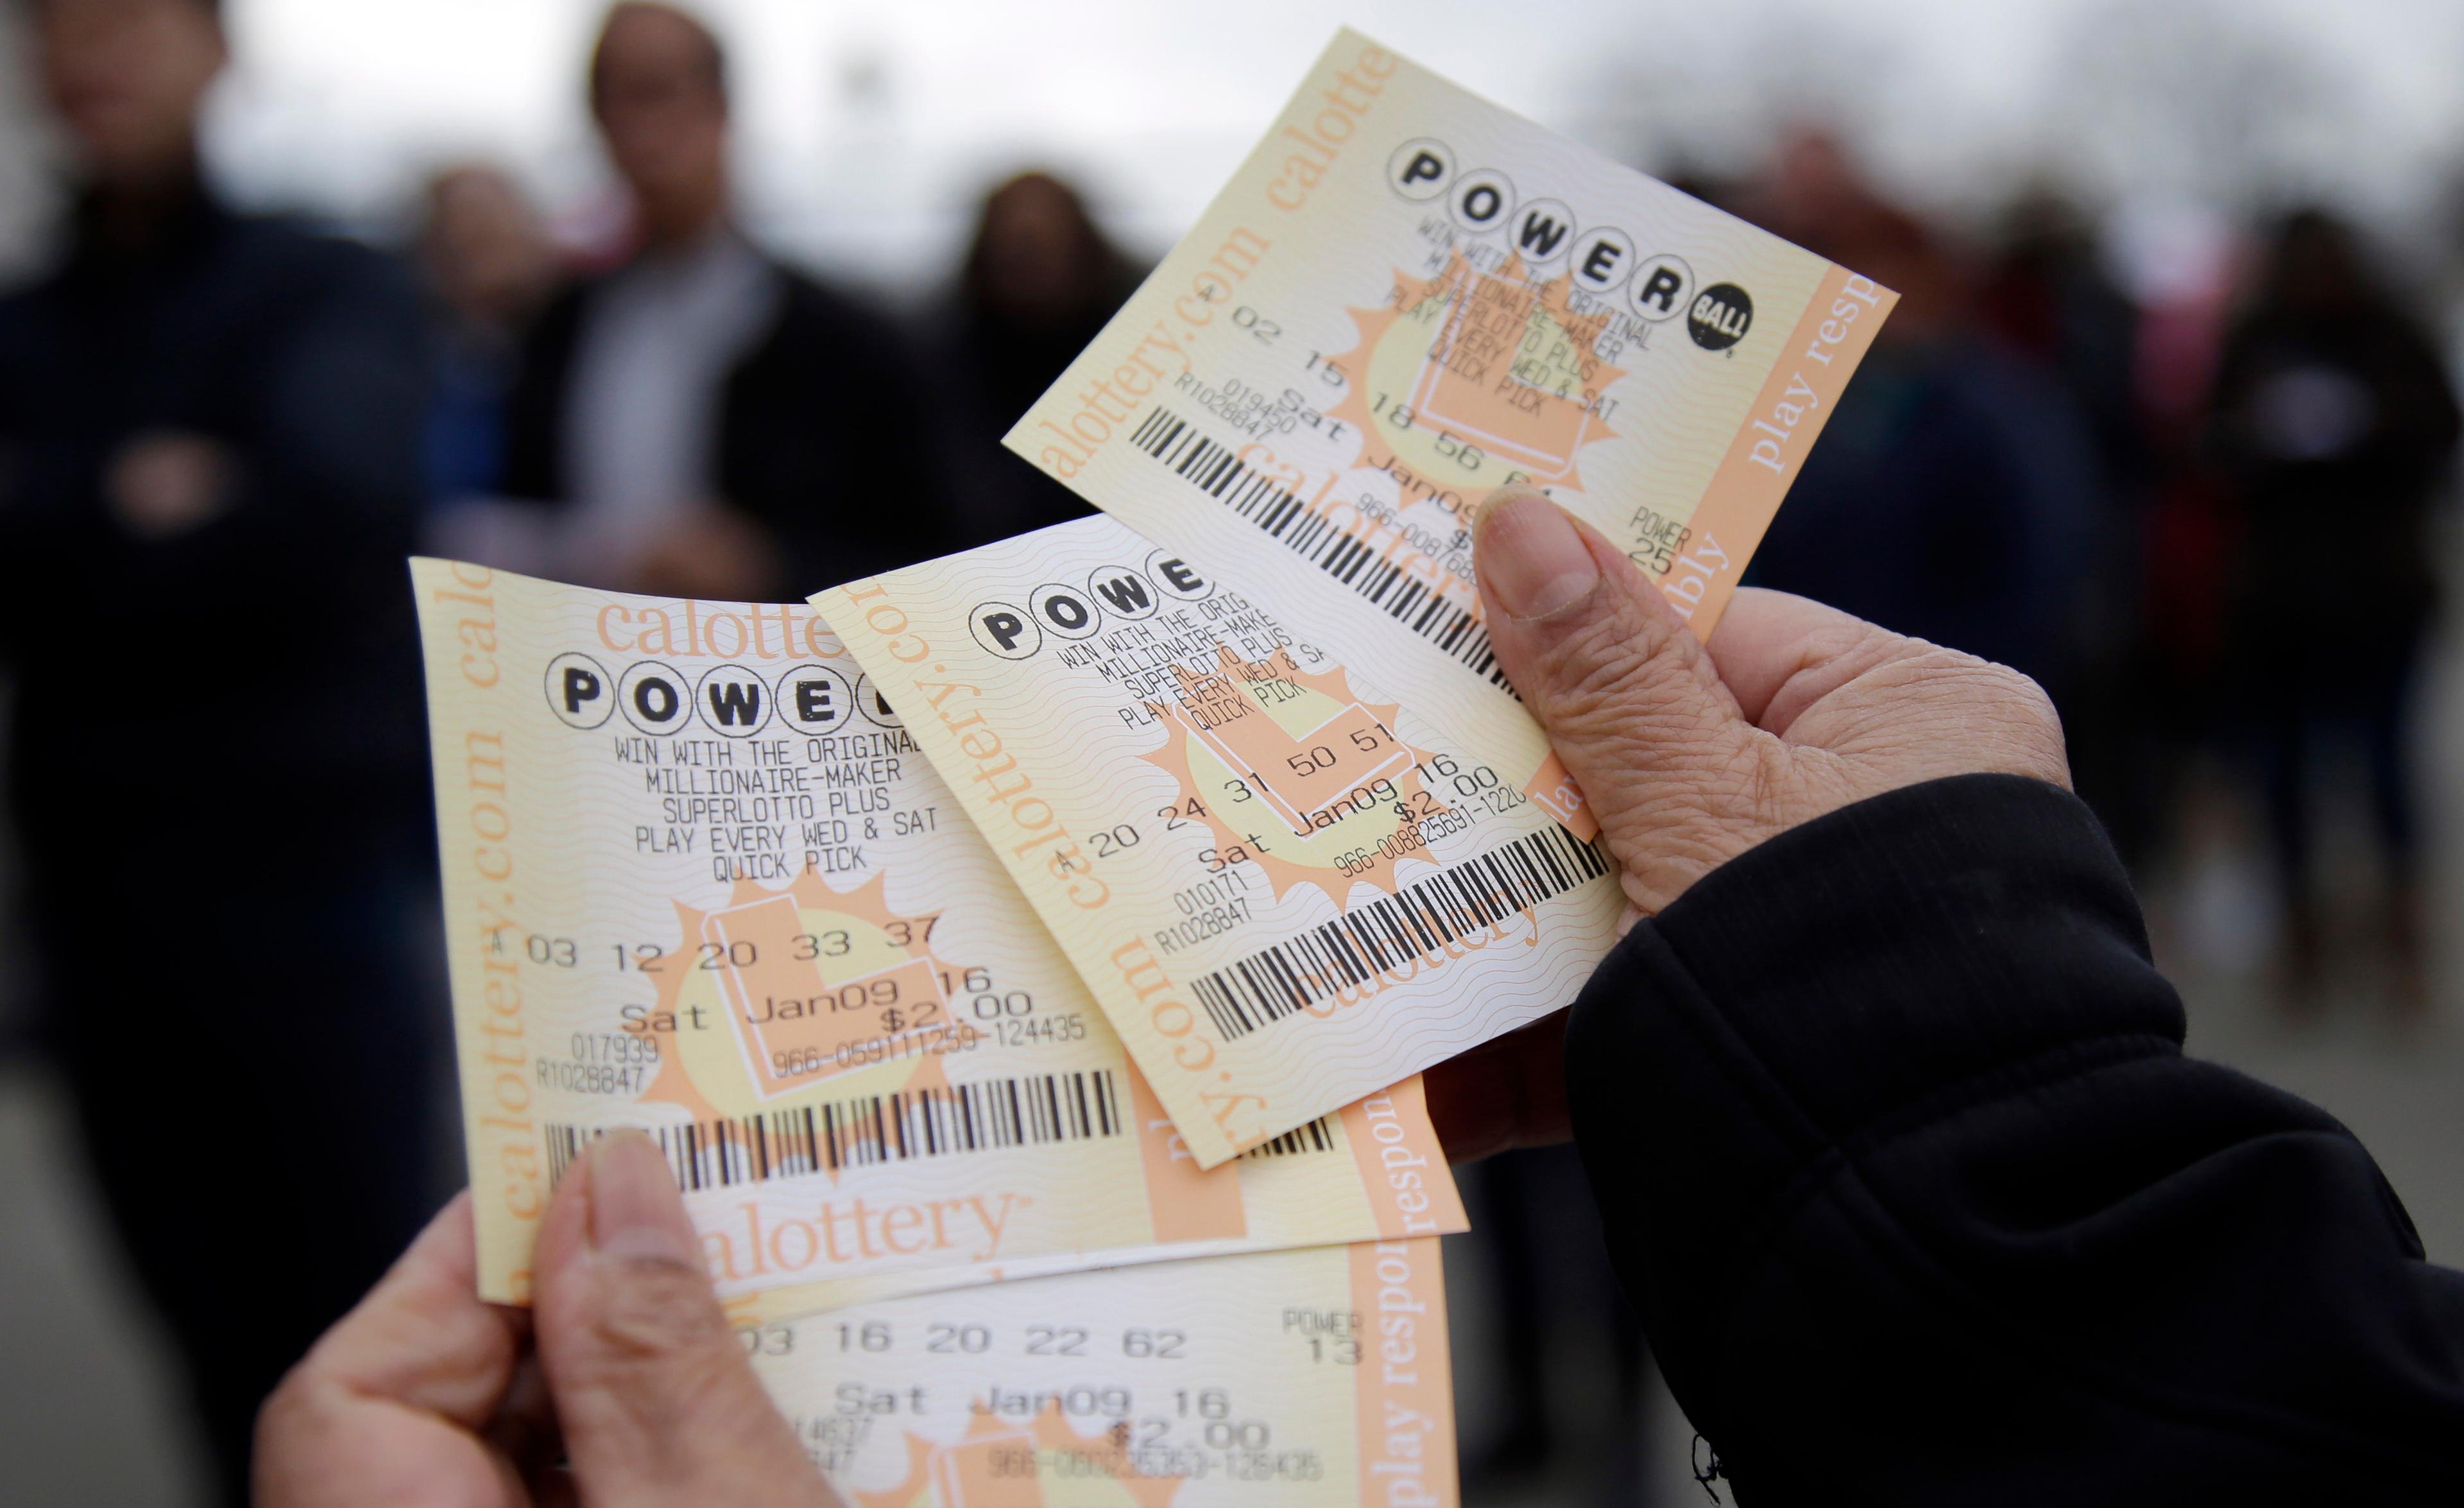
1487	360
701	883
1295	774
814	982
998	1457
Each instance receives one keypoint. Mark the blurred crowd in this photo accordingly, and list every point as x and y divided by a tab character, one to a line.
2202	523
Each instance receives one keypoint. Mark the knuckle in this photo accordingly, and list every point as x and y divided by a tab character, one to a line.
656	1309
1609	665
1954	712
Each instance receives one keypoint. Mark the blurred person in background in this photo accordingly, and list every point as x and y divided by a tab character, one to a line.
2046	297
1039	282
703	421
2334	423
490	268
209	473
1955	494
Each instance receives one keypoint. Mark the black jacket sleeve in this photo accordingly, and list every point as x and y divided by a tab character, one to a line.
1921	1202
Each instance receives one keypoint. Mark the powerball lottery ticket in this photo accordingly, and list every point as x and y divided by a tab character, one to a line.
1406	297
1284	888
1314	1378
698	880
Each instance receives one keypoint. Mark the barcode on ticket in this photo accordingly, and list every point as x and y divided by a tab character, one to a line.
1033	1110
1410	600
1290	976
1317	1136
997	1113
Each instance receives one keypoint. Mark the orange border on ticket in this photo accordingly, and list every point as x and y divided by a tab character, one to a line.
1185	1203
1388	1163
1404	1391
1811	372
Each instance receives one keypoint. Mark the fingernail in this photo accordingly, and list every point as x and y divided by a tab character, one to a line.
1529	555
635	1210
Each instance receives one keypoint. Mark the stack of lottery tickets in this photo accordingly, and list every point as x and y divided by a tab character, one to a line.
1024	958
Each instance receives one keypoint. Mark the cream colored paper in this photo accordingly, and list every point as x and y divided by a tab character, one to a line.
1406	297
1284	889
699	881
1312	1378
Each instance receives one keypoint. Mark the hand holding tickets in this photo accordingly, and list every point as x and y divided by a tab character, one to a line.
1104	857
698	880
1407	296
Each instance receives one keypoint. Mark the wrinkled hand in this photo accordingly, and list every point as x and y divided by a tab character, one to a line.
1690	754
425	1397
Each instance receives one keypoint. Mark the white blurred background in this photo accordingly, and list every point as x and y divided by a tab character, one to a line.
868	132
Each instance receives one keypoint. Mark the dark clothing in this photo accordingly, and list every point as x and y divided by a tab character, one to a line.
2334	430
257	1054
302	356
1955	497
466	440
1921	1202
823	435
216	769
998	370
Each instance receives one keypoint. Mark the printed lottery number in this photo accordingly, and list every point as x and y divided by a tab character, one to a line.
1463	453
1182	813
873	1335
976	1337
811	945
970	1338
1262	330
558	952
1045	1340
650	958
1142	1344
769	1339
1368	740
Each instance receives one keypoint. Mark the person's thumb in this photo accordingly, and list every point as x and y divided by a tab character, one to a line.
652	1390
1625	690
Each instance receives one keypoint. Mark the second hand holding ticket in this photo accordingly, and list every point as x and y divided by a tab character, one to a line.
1284	891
